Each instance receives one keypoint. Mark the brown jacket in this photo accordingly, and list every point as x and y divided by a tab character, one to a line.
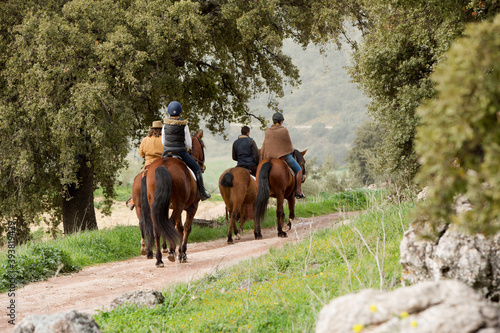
277	142
150	149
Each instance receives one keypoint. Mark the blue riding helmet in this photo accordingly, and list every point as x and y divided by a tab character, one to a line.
174	108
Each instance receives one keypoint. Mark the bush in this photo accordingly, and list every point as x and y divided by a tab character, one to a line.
39	263
458	141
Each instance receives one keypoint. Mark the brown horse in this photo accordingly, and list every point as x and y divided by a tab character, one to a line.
276	179
238	190
170	184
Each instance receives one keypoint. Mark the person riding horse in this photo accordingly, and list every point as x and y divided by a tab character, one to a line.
176	140
245	151
150	149
277	144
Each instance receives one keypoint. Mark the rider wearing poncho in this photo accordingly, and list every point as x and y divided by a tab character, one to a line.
277	144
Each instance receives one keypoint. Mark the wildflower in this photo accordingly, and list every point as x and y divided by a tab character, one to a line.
404	314
414	323
357	328
373	308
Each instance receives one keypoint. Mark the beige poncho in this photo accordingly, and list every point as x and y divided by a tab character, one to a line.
277	142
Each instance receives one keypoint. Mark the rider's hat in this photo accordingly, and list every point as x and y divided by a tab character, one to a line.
278	117
157	124
174	108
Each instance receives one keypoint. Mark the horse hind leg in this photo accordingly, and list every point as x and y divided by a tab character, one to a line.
280	217
159	262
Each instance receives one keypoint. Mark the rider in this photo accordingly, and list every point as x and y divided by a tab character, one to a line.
277	144
176	139
245	151
150	149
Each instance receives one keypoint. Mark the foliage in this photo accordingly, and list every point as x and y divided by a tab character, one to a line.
459	141
403	43
79	79
284	290
38	262
362	156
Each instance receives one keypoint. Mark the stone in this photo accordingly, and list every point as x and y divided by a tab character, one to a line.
447	306
64	322
140	298
474	260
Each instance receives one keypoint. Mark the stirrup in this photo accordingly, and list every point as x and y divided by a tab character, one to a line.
300	195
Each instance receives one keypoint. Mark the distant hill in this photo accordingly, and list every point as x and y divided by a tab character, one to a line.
321	115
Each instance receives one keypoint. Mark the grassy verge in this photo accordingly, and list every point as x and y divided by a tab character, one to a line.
40	260
284	290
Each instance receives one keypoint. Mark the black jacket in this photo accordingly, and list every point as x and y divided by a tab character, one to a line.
245	151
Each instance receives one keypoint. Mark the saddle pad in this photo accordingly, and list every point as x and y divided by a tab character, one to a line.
253	177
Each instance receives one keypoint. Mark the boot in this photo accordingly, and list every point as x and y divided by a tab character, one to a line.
298	182
203	193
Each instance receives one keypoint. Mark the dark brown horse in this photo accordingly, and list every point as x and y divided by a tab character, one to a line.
275	179
237	188
168	183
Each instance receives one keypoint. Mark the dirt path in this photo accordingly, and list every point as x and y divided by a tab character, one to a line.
96	287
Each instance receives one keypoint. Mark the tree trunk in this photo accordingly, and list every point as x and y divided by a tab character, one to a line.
78	206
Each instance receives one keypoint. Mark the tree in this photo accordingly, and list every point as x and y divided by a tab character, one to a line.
459	139
81	78
362	153
402	45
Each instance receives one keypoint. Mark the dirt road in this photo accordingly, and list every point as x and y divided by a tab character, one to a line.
96	287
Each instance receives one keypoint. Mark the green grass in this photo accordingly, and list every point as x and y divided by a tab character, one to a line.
40	259
282	291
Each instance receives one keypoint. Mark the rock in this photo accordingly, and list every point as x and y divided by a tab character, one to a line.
140	298
433	306
474	260
68	322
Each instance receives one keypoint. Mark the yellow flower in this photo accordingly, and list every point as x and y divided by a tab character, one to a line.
357	328
373	308
414	323
404	314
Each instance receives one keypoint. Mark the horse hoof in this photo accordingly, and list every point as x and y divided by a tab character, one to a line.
164	251
150	255
237	237
144	252
230	241
171	257
258	236
282	235
183	258
160	265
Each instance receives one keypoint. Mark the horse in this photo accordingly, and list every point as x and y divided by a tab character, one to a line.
276	179
143	205
238	189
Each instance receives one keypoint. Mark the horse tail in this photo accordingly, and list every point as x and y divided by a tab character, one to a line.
145	221
262	191
227	179
161	203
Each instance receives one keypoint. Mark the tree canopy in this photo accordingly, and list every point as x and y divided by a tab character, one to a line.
459	139
80	78
404	41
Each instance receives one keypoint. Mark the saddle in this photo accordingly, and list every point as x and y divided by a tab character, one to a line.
289	169
171	154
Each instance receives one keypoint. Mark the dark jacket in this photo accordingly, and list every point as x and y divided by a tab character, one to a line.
245	151
173	130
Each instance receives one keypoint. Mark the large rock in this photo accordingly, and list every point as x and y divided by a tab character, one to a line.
68	322
474	260
432	306
140	298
